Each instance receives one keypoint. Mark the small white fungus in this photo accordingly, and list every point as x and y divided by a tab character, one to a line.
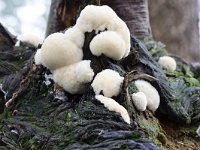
108	82
75	35
198	131
108	43
58	51
153	98
31	39
140	101
112	105
167	63
73	77
38	58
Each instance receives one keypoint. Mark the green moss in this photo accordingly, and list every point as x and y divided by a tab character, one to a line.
136	136
190	130
132	88
18	64
157	49
153	130
186	74
190	81
162	138
5	115
187	71
175	73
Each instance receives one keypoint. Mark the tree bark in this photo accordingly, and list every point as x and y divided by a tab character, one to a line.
135	13
63	14
175	23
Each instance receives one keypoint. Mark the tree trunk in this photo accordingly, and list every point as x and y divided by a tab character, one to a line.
175	23
63	14
135	13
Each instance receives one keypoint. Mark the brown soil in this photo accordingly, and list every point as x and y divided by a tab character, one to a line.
177	138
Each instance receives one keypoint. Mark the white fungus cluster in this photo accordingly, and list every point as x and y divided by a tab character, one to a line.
31	39
152	95
113	41
73	77
112	105
108	82
101	18
167	63
62	53
140	101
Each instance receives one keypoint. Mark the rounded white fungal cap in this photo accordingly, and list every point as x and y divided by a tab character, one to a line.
38	58
31	39
109	82
73	77
140	101
95	18
75	35
152	95
112	105
58	51
119	26
167	63
108	43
